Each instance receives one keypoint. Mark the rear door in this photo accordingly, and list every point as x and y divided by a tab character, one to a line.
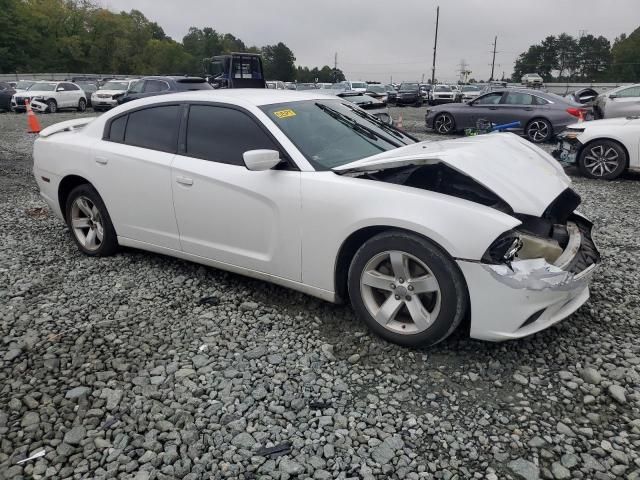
132	171
485	107
226	212
73	93
517	107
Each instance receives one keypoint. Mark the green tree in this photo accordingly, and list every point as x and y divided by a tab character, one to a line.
594	57
279	63
626	57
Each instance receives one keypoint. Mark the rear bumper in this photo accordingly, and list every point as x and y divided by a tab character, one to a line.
48	184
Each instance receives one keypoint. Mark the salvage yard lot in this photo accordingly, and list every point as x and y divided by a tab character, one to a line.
117	368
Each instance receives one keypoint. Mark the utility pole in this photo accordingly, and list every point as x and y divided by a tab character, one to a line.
435	46
335	68
493	62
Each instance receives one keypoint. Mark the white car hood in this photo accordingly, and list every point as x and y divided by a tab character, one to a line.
35	93
108	92
523	175
607	122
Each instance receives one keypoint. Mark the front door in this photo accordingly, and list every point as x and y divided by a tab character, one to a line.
226	212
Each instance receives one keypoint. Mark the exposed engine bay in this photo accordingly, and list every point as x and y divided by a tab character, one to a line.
560	236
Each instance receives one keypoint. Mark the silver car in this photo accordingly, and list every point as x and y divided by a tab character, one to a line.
619	102
541	115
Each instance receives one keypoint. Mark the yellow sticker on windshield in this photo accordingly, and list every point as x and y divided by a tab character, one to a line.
285	113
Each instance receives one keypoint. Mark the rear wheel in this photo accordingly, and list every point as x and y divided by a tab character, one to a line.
406	289
82	105
539	130
444	124
603	159
89	222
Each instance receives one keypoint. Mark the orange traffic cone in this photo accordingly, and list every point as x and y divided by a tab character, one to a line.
34	124
399	122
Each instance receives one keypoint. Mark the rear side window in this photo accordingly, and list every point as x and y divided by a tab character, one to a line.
222	135
155	128
193	85
116	131
70	86
153	86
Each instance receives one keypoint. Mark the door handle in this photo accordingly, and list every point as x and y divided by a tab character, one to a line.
102	160
493	108
184	181
529	109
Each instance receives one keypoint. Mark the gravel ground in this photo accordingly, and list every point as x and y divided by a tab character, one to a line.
117	368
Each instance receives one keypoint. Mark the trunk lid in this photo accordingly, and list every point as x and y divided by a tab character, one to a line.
523	175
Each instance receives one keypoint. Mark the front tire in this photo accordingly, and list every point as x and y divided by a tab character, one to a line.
89	222
82	105
539	130
602	159
52	106
406	289
444	124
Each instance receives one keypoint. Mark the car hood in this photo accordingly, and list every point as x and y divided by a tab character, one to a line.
607	122
523	175
110	92
34	93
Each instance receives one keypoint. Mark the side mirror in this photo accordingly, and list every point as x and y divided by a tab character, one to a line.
259	160
60	89
613	96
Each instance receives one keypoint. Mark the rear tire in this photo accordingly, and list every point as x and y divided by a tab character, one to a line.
82	105
602	159
406	289
90	223
444	124
539	130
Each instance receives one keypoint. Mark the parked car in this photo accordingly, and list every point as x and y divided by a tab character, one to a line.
371	105
6	92
457	92
377	91
23	85
425	91
541	115
392	94
301	189
409	94
50	97
151	86
89	88
276	85
107	95
602	148
532	80
358	86
325	86
469	92
442	94
493	86
619	102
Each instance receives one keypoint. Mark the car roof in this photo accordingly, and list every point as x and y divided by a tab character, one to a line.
175	78
240	96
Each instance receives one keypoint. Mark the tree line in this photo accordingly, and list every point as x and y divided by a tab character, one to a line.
585	59
78	36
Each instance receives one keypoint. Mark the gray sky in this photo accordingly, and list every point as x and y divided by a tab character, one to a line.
376	39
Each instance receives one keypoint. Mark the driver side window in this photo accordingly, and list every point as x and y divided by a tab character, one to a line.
489	99
629	92
136	87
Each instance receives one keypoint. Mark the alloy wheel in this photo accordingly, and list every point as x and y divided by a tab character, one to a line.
538	131
400	292
601	160
86	223
444	124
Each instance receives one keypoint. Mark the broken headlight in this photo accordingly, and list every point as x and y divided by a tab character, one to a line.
504	249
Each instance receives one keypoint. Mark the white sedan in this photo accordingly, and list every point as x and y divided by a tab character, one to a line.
308	191
601	148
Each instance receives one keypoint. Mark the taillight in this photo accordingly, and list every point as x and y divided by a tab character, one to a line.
576	112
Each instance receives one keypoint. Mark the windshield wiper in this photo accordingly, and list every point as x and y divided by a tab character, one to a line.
358	127
384	126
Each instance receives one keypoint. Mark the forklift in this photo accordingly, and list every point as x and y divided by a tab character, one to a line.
235	70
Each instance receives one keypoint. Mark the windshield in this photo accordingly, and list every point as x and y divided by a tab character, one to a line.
376	88
469	88
358	85
442	88
43	87
115	86
24	84
331	133
409	86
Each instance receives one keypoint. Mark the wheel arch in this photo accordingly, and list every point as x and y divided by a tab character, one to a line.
67	184
351	245
608	139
